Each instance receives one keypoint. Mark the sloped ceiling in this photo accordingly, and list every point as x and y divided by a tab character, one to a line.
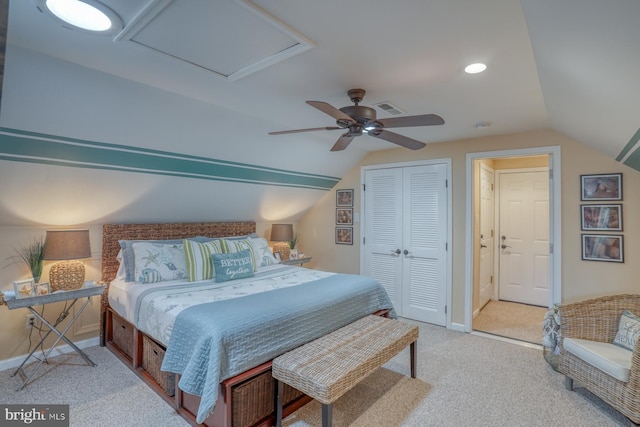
169	119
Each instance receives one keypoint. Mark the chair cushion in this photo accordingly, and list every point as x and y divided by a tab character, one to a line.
611	359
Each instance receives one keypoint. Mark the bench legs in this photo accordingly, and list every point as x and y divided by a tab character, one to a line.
413	348
568	383
279	392
327	415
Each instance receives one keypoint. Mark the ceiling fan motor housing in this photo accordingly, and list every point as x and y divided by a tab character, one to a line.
359	113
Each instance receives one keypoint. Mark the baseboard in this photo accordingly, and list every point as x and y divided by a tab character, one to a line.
14	362
457	327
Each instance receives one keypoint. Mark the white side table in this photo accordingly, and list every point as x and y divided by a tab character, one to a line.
31	302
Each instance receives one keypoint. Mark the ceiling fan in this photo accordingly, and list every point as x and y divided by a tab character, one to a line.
358	120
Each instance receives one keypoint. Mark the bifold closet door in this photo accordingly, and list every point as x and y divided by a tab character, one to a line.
405	238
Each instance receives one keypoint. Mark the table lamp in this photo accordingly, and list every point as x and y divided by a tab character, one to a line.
282	234
67	246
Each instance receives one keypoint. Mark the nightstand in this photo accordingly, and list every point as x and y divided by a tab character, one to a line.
297	261
69	296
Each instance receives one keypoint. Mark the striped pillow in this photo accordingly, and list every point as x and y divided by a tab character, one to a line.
198	258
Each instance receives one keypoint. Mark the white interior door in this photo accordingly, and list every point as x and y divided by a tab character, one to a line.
424	241
383	231
487	240
524	237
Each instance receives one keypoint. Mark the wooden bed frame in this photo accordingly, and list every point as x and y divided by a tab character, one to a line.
246	399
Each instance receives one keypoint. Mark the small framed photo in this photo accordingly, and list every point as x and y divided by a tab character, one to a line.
601	187
601	217
293	254
344	235
344	216
42	289
602	247
344	198
24	288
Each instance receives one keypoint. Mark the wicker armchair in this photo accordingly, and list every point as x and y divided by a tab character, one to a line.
597	320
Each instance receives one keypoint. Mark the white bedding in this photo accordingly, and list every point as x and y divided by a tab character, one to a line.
152	308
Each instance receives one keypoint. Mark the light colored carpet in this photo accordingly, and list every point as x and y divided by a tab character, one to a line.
463	379
512	320
108	394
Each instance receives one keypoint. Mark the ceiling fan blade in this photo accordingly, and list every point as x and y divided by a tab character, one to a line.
331	110
404	141
342	142
408	121
284	132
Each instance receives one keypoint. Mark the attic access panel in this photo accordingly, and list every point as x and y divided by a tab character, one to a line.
232	38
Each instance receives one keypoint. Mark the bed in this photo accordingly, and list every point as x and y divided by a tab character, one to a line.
220	349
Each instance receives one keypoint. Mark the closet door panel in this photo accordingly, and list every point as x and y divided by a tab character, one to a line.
383	231
424	237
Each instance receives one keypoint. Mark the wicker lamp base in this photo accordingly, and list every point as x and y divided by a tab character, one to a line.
283	249
66	275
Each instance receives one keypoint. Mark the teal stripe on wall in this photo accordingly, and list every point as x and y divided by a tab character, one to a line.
33	147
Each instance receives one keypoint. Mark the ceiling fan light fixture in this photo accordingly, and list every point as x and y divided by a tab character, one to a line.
87	15
475	68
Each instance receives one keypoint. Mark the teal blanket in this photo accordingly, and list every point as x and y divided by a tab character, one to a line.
215	341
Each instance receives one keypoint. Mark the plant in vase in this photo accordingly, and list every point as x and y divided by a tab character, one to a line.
32	255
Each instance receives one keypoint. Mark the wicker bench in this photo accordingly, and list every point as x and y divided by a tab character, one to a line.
330	366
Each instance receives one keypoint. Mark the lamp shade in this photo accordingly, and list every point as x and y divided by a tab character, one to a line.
67	244
281	232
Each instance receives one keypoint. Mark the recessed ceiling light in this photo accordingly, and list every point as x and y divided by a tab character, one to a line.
87	15
476	68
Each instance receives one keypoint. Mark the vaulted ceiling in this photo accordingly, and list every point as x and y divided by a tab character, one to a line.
202	82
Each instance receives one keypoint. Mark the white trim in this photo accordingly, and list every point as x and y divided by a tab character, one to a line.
555	222
509	340
14	362
449	257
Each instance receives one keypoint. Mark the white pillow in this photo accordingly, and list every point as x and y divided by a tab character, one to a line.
155	262
628	331
262	252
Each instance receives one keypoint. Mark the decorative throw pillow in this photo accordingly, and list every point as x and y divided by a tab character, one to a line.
628	330
232	246
232	266
262	252
156	262
128	257
198	258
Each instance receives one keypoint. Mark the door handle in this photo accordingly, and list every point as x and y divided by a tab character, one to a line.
406	252
503	246
396	252
482	246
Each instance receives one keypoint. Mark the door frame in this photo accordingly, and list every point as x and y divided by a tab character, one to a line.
449	217
555	222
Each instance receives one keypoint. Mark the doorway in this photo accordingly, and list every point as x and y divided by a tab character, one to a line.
513	215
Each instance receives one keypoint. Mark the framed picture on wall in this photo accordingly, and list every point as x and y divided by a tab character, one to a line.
601	217
344	235
602	247
344	216
344	198
601	187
